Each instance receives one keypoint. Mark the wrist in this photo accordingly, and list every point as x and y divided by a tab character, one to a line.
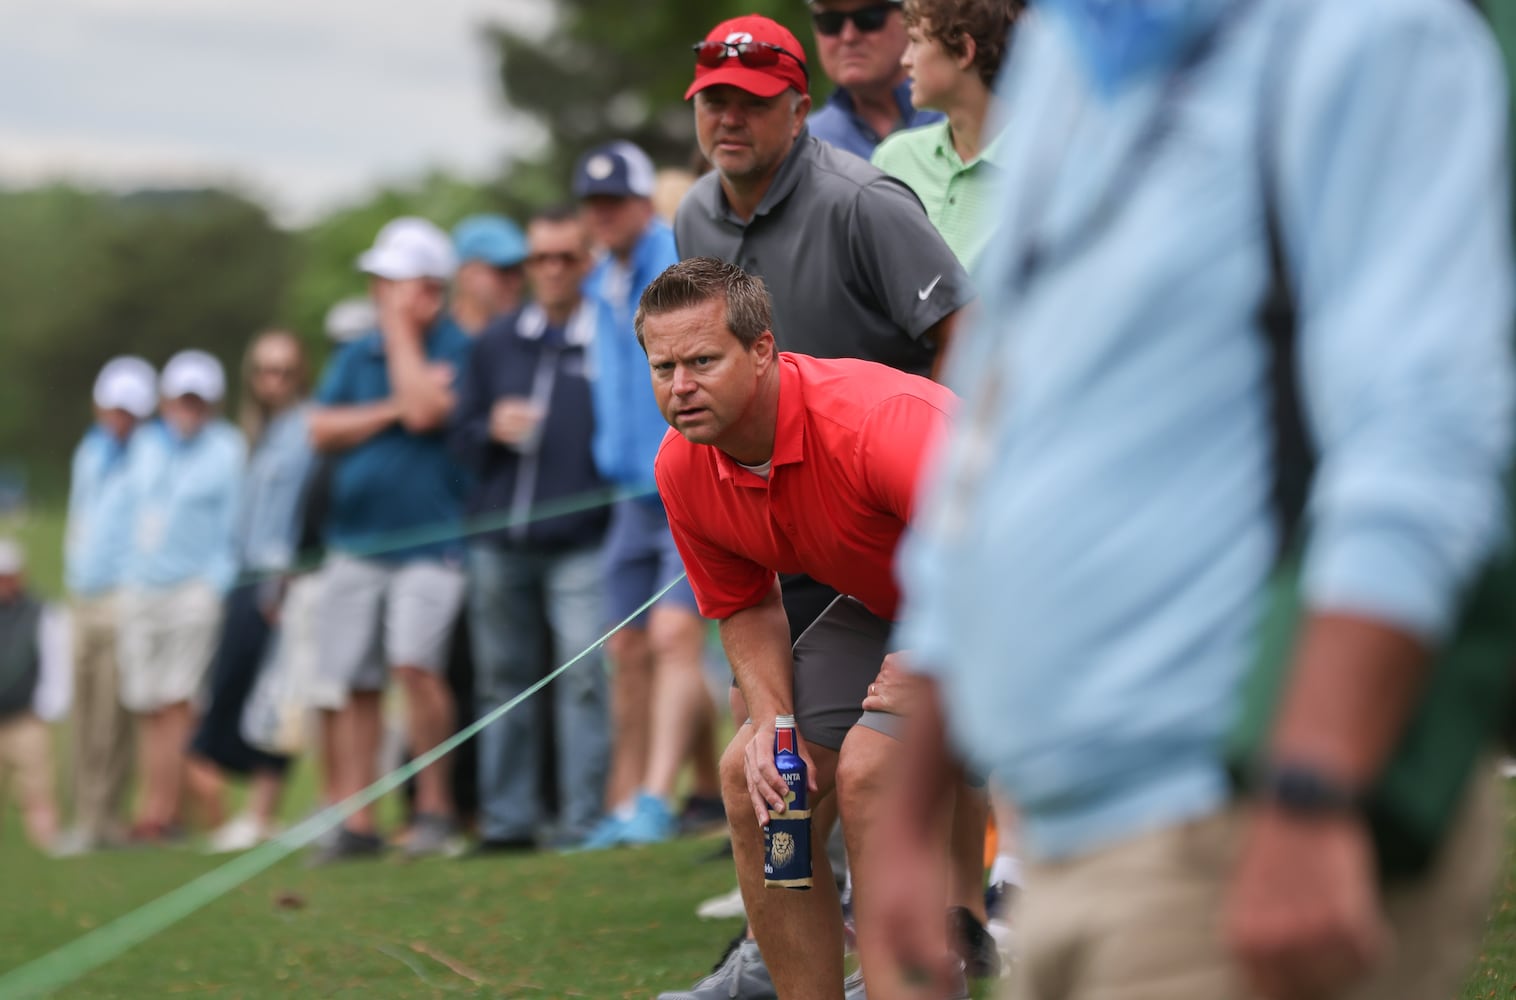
1306	791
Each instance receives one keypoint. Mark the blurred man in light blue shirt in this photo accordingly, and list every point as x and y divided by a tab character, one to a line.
94	557
1086	578
185	476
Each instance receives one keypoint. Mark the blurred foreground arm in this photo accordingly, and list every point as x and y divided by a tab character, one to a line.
1394	216
908	906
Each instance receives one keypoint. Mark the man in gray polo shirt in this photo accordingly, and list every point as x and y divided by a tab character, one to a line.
855	266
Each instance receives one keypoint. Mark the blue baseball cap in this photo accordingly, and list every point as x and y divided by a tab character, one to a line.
493	239
619	169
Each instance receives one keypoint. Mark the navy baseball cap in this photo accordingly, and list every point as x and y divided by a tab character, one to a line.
619	169
493	239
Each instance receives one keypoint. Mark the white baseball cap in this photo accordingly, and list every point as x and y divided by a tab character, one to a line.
409	247
127	383
193	373
12	557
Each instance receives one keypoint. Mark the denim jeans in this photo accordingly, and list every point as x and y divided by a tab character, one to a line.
511	594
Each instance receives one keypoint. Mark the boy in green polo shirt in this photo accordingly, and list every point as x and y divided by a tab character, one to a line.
953	53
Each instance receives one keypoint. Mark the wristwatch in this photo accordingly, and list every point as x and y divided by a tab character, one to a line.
1304	791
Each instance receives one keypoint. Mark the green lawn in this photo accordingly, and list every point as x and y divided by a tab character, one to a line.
611	925
608	925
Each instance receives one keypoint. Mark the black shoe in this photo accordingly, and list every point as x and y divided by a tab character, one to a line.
722	853
970	941
702	814
501	848
347	846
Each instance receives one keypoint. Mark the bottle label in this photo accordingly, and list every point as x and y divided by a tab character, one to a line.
787	852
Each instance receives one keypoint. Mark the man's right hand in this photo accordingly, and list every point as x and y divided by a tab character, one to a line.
514	420
765	785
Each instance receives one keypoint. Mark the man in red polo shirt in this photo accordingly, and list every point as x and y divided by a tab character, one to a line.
784	463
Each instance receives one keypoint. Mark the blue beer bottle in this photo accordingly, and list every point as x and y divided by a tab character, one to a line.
787	835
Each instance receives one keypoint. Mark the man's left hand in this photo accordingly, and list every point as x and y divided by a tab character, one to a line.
1303	915
895	690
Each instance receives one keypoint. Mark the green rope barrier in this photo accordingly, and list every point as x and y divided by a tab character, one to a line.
72	961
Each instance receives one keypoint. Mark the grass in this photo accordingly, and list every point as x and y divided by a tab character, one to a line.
609	925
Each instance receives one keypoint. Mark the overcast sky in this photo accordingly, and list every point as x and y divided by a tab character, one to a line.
305	104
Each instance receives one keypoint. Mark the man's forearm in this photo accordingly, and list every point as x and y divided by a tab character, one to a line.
424	403
338	428
757	644
1353	689
929	769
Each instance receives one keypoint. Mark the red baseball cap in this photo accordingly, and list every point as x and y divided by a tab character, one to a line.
765	81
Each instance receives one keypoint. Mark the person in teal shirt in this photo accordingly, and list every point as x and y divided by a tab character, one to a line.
953	53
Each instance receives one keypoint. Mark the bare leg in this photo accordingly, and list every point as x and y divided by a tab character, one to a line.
177	722
263	798
863	773
355	737
800	933
971	809
40	814
680	697
429	717
207	788
329	760
631	697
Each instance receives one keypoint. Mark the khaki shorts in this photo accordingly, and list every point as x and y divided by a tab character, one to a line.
168	637
26	758
1140	920
376	615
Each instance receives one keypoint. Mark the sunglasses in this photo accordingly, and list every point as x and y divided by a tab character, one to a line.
283	371
865	19
564	257
753	55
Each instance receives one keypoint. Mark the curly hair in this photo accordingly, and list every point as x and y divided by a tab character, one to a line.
951	22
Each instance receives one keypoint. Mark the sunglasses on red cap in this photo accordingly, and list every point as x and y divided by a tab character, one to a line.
865	19
754	55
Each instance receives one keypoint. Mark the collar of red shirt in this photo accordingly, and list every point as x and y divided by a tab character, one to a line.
789	434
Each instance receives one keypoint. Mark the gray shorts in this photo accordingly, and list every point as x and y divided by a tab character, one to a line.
836	660
376	615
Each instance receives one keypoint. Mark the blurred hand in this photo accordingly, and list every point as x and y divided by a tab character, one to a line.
765	785
514	420
896	690
1303	915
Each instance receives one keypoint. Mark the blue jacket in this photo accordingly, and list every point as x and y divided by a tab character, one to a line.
628	425
521	355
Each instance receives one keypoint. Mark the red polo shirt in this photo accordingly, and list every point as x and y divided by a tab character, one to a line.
853	438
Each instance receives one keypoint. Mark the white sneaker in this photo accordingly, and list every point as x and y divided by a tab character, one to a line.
242	833
727	906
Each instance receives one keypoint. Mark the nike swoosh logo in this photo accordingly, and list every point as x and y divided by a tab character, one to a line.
927	291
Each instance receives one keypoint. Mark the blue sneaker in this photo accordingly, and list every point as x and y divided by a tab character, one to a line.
606	834
652	822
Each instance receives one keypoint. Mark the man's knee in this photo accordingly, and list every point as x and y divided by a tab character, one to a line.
676	635
734	769
863	768
625	646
